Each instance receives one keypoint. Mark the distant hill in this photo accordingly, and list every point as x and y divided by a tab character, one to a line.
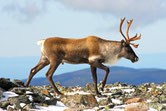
117	74
19	67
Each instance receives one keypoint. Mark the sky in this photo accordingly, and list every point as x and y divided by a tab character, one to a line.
24	22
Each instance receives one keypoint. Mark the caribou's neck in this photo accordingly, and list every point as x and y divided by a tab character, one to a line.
111	51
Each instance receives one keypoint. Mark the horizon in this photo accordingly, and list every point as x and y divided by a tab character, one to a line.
19	67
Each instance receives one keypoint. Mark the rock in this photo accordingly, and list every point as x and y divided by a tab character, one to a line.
100	109
63	88
109	106
37	98
122	99
153	85
18	82
147	85
42	104
6	84
104	102
15	101
163	84
73	109
144	89
36	89
42	95
136	108
20	90
29	107
79	101
157	106
164	90
10	108
156	100
19	99
89	88
117	92
70	89
134	100
45	92
52	101
60	87
147	95
162	98
123	85
4	104
132	86
136	92
155	91
58	84
1	92
116	84
107	90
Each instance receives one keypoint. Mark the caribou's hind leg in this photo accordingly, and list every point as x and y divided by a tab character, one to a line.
53	66
42	63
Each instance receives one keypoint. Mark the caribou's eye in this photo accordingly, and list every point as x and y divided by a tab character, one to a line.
128	49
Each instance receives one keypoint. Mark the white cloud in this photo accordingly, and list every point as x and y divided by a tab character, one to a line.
143	11
22	10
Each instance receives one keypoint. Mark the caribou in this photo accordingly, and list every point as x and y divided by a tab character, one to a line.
92	50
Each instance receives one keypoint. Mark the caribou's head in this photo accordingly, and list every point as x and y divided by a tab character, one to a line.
127	52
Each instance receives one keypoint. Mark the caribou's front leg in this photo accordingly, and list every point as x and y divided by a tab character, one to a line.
94	75
105	78
101	66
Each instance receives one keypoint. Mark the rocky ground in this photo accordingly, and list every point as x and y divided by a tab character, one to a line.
116	97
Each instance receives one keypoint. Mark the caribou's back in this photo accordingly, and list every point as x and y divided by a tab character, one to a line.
73	50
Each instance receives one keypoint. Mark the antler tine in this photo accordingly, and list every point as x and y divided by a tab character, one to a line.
128	39
127	32
120	28
136	46
135	38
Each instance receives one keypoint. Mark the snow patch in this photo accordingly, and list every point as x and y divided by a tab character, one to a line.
116	101
22	104
7	94
30	98
29	92
77	92
126	89
58	107
151	109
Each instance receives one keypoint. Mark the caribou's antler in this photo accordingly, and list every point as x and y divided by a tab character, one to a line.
128	39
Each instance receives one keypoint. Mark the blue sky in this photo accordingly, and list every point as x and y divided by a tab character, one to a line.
24	22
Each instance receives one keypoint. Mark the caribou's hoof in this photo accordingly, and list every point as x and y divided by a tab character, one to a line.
102	89
98	94
60	94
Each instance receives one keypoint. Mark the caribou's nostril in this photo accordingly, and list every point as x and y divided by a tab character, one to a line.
136	58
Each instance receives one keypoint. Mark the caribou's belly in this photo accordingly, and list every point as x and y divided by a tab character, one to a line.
75	60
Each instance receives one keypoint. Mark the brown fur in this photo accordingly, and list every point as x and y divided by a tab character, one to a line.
73	50
91	50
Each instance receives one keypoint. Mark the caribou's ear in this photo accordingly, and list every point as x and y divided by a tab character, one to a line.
123	43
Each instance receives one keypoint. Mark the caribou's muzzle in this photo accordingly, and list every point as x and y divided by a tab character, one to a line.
135	59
